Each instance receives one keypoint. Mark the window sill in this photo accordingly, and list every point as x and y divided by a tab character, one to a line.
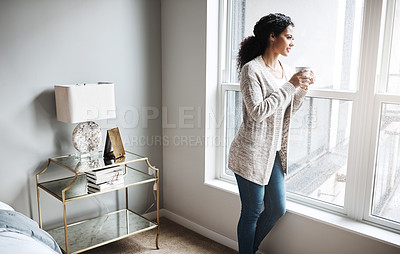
328	218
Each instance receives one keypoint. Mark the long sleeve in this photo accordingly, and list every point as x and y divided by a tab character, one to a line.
298	99
259	107
299	95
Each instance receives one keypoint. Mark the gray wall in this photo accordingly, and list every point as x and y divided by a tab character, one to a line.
186	83
47	42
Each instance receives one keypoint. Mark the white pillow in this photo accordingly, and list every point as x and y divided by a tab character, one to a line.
4	206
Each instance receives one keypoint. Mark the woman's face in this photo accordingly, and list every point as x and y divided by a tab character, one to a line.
283	43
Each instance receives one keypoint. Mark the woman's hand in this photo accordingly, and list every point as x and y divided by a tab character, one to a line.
300	79
312	77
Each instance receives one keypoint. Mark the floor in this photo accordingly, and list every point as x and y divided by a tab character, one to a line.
173	239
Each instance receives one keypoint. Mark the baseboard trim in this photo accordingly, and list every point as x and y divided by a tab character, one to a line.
194	227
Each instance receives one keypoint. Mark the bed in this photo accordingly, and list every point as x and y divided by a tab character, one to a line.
20	234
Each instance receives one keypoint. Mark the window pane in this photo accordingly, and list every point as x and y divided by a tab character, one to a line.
391	85
237	35
233	120
327	36
386	195
318	150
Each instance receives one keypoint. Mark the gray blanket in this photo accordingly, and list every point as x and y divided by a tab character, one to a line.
17	222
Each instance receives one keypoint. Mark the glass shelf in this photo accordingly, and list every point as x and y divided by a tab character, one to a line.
101	230
78	165
79	189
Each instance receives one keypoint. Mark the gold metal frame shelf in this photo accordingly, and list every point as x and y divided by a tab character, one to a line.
79	189
74	164
98	231
119	224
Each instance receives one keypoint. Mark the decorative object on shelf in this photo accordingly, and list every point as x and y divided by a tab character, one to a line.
105	175
86	137
92	187
105	179
84	165
84	104
112	160
113	147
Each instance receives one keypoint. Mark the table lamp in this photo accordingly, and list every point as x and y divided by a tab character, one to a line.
83	104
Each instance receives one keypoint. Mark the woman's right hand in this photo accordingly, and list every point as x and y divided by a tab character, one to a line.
298	79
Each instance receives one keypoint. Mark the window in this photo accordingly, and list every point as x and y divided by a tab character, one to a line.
386	194
389	71
318	149
345	140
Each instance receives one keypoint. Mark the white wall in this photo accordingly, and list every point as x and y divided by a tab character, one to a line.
184	84
45	42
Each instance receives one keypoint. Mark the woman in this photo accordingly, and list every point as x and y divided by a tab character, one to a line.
258	153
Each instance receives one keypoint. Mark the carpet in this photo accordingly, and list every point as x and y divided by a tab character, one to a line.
173	239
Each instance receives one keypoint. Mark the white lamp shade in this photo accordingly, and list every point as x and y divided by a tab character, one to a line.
88	102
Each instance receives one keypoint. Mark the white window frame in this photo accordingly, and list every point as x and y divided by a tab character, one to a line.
378	100
224	73
364	125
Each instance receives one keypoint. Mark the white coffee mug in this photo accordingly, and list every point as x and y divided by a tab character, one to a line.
306	73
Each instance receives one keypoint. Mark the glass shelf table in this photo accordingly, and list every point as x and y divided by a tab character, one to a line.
84	235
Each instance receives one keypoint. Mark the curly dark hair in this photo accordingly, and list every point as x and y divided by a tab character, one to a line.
255	45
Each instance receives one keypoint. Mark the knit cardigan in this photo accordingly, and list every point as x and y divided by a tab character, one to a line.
253	150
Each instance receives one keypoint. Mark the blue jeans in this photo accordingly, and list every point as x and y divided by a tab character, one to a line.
255	224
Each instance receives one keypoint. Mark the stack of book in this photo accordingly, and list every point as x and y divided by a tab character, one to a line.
104	179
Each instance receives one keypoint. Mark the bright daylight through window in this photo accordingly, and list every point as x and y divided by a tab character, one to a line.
328	37
386	182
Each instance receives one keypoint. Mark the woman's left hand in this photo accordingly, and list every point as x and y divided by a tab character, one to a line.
312	77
